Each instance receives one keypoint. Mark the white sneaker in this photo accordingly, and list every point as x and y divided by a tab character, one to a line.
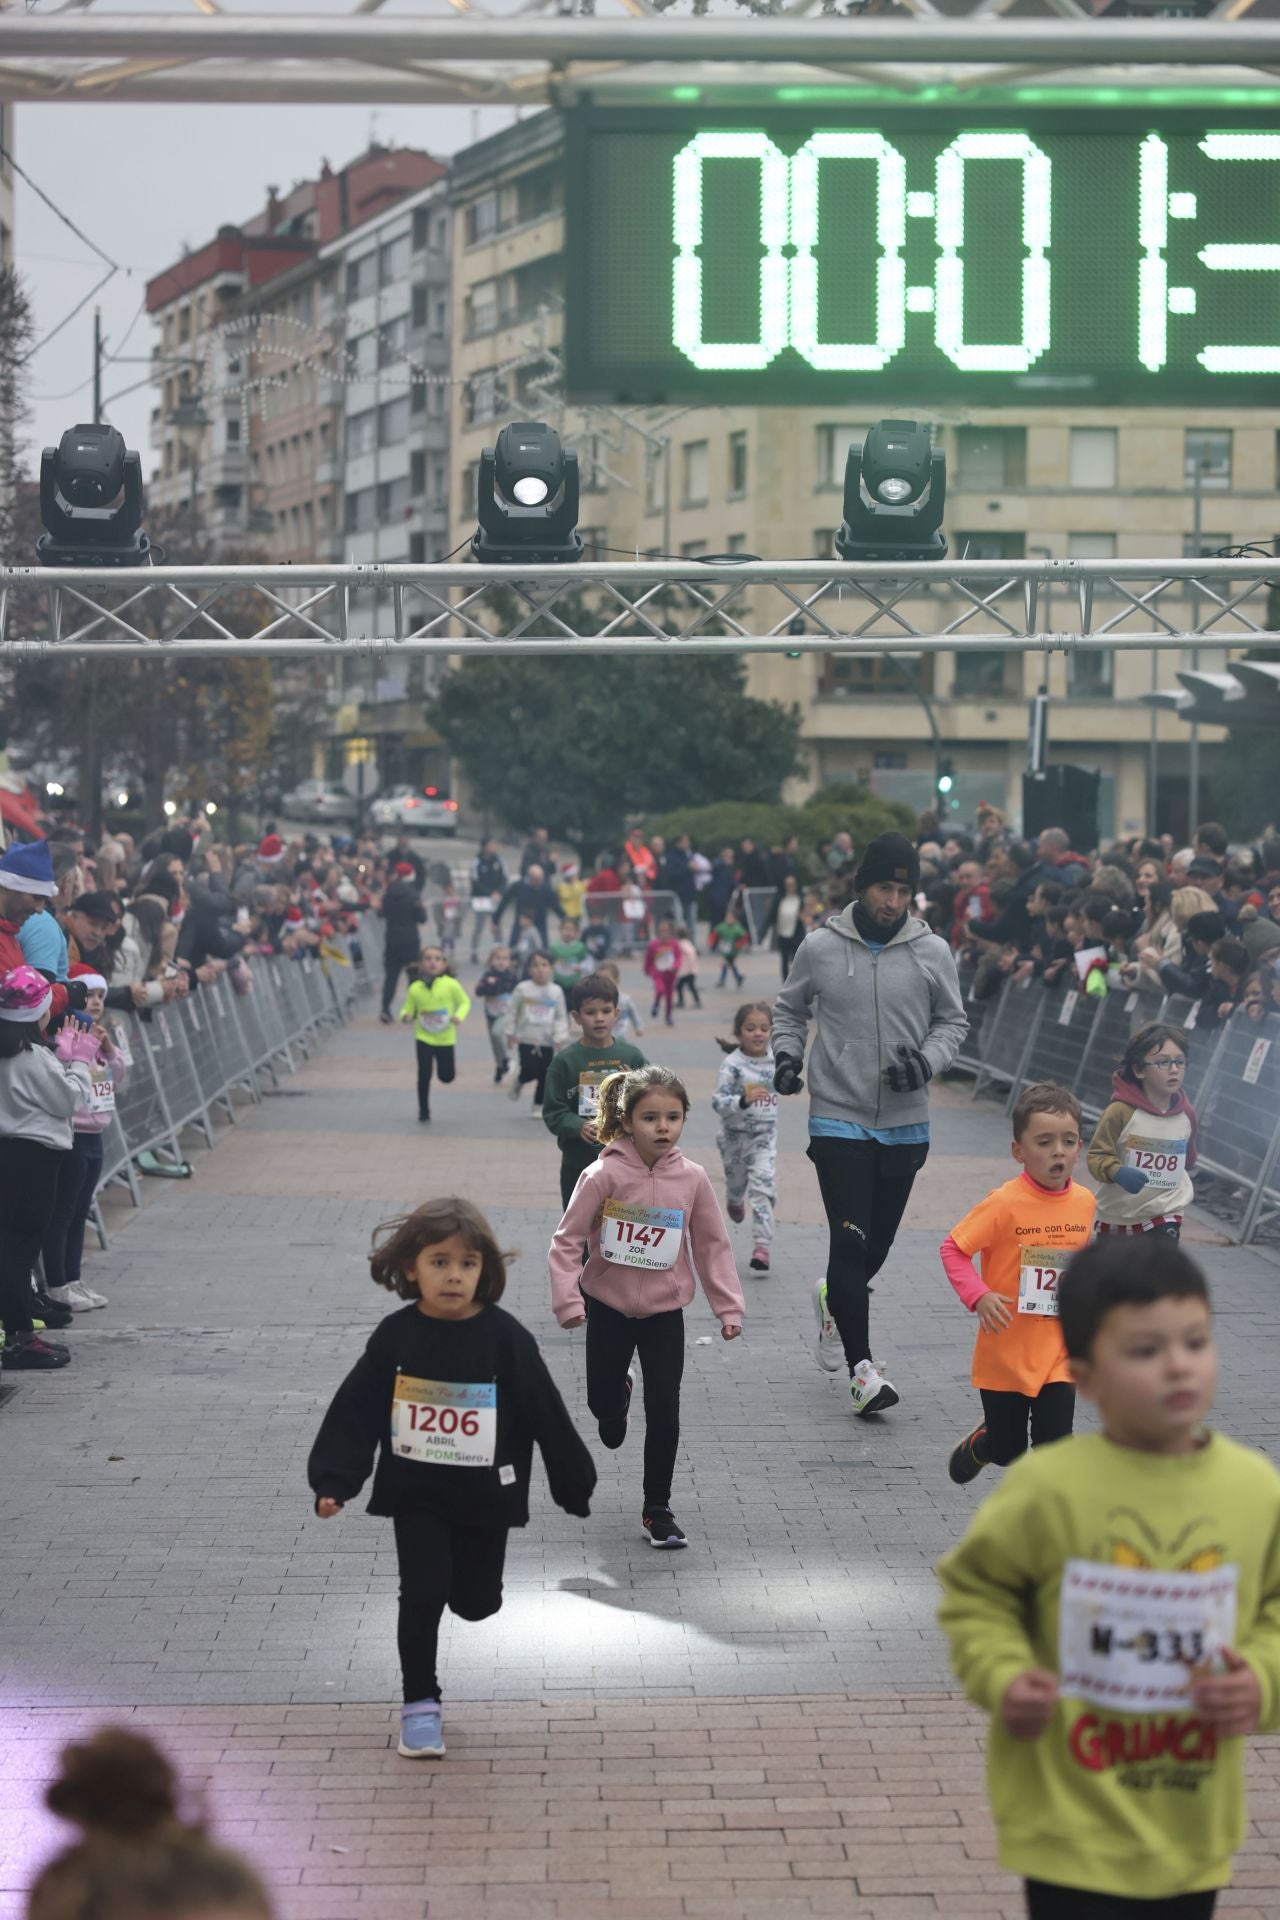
869	1391
830	1345
514	1090
86	1292
70	1297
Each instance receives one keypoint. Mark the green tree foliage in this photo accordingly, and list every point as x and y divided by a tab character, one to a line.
581	744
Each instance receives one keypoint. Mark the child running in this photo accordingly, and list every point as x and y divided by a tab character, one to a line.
1144	1146
747	1108
728	940
539	1024
1022	1233
687	979
569	957
628	1025
82	1037
648	1216
495	987
662	962
437	1004
452	1392
1115	1608
571	1106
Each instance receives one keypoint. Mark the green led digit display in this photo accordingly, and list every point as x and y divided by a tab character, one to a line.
906	256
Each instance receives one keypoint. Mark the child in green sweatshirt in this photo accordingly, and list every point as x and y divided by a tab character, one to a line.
571	1101
1115	1607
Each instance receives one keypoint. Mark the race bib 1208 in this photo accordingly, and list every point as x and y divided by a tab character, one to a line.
1161	1160
641	1236
444	1423
1131	1638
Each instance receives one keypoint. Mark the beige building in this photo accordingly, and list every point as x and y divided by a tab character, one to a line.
1069	483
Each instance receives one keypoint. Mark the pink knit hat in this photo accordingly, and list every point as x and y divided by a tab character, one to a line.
24	995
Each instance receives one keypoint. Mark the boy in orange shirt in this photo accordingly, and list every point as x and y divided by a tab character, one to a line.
1024	1232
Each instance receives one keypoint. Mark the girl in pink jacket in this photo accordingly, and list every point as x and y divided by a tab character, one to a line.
651	1224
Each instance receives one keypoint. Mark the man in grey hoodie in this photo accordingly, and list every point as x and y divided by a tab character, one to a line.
889	1014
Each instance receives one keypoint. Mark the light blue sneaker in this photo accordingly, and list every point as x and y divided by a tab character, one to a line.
830	1347
420	1734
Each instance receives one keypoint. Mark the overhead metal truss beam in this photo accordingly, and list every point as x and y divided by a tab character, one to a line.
528	57
645	607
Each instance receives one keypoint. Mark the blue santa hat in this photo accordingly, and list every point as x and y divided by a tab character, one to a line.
25	867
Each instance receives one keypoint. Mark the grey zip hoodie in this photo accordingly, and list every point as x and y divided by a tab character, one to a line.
866	1005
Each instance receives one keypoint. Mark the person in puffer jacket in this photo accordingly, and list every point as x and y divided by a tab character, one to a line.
652	1228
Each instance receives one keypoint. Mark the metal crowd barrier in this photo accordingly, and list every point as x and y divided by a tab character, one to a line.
188	1061
1028	1032
631	918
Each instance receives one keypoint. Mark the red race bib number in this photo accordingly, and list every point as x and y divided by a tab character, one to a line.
444	1423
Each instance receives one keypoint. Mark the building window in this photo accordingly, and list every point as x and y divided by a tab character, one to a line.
854	675
469	487
421	222
695	473
418	307
990	459
595	543
482	307
439	493
1093	456
979	675
692	549
1091	546
1207	452
654	479
535	193
989	546
737	463
1208	543
736	543
440	233
362	433
834	442
362	277
1089	675
440	325
482	218
393	421
417	474
417	549
392	340
233	433
362	354
358	516
393	498
593	478
484	398
393	261
436	393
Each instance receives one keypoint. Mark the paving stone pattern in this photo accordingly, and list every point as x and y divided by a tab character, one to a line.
764	1724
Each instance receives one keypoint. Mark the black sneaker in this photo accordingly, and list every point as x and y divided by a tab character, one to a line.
424	1119
385	1018
31	1353
661	1530
612	1434
52	1312
965	1464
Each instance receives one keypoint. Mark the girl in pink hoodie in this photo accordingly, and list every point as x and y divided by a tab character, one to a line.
652	1225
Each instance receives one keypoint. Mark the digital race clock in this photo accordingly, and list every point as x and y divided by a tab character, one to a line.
897	256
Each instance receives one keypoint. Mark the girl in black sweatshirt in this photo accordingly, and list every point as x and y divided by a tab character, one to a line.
452	1393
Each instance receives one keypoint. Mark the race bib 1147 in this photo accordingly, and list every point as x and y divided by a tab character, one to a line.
641	1236
444	1423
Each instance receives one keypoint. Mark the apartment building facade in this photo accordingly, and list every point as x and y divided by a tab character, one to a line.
243	326
1067	483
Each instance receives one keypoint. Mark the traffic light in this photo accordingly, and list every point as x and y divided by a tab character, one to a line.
945	783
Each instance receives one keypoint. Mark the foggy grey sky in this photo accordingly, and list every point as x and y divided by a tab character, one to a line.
143	180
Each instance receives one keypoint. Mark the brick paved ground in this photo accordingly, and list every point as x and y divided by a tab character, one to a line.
683	1732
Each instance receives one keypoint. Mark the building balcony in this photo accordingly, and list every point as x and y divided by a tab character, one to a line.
328	470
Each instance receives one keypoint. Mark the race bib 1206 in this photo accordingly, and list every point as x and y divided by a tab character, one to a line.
641	1236
444	1423
1038	1276
1131	1638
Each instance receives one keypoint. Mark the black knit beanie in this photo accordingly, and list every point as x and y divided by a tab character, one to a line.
890	856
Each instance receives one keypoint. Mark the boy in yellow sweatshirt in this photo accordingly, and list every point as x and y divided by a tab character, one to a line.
1115	1607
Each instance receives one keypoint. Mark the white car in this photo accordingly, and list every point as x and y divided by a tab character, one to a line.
318	800
415	810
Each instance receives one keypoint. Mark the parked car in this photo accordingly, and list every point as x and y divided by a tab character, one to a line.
415	810
318	800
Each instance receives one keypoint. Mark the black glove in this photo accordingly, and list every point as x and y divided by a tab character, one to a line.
77	995
909	1072
786	1074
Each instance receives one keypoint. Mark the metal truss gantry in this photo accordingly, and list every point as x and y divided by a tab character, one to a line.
803	606
552	51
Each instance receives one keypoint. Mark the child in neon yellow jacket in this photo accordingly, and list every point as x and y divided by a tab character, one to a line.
436	1003
1115	1607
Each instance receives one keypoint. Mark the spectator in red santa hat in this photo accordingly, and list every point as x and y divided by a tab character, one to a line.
26	882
